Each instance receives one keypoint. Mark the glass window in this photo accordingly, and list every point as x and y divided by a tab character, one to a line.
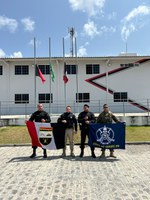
1	70
21	69
25	69
71	69
120	96
88	69
45	98
96	69
128	65
21	98
17	70
45	69
82	97
92	69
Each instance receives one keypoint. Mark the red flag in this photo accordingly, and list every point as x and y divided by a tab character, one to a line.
33	133
45	136
41	75
65	76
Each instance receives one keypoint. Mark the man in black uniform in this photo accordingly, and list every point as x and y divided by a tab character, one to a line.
69	121
39	116
85	118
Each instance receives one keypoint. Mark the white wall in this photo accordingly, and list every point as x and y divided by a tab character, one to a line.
134	80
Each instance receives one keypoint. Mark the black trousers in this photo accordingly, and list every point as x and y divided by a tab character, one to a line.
84	134
35	147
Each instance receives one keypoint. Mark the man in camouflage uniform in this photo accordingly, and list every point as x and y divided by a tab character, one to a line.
107	117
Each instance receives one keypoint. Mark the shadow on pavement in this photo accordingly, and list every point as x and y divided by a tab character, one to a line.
38	158
89	158
69	158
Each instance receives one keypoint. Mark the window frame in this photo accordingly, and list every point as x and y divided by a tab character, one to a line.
92	69
120	96
71	69
21	69
1	70
81	97
45	69
21	98
48	98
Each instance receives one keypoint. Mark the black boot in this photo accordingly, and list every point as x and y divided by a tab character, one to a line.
34	153
44	153
93	154
82	153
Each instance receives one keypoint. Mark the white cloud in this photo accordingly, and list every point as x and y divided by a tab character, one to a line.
28	24
9	23
90	29
127	30
82	51
16	55
136	12
134	21
2	53
105	29
91	7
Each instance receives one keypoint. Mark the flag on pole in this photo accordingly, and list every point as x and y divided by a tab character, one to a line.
40	74
52	72
46	135
65	76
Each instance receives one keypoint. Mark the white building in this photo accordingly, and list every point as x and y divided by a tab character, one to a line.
121	81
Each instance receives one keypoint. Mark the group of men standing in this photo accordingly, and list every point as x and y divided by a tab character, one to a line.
69	121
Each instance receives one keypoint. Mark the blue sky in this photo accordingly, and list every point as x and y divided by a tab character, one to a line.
103	27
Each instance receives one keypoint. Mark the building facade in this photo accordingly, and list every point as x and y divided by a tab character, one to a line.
121	81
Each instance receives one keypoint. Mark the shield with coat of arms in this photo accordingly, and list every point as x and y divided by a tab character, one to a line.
45	135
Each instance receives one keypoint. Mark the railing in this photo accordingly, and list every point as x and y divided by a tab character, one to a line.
96	106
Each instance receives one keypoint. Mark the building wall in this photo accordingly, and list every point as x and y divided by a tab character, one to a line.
134	80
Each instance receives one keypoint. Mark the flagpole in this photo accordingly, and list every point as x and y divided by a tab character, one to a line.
35	72
50	74
107	63
65	92
77	85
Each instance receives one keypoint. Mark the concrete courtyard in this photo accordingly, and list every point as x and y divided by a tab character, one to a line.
54	178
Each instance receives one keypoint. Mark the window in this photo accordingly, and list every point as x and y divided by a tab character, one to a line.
45	69
130	65
120	96
1	70
82	97
45	98
71	69
92	69
21	69
21	98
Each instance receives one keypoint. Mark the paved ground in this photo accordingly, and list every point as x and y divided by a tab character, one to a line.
54	178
